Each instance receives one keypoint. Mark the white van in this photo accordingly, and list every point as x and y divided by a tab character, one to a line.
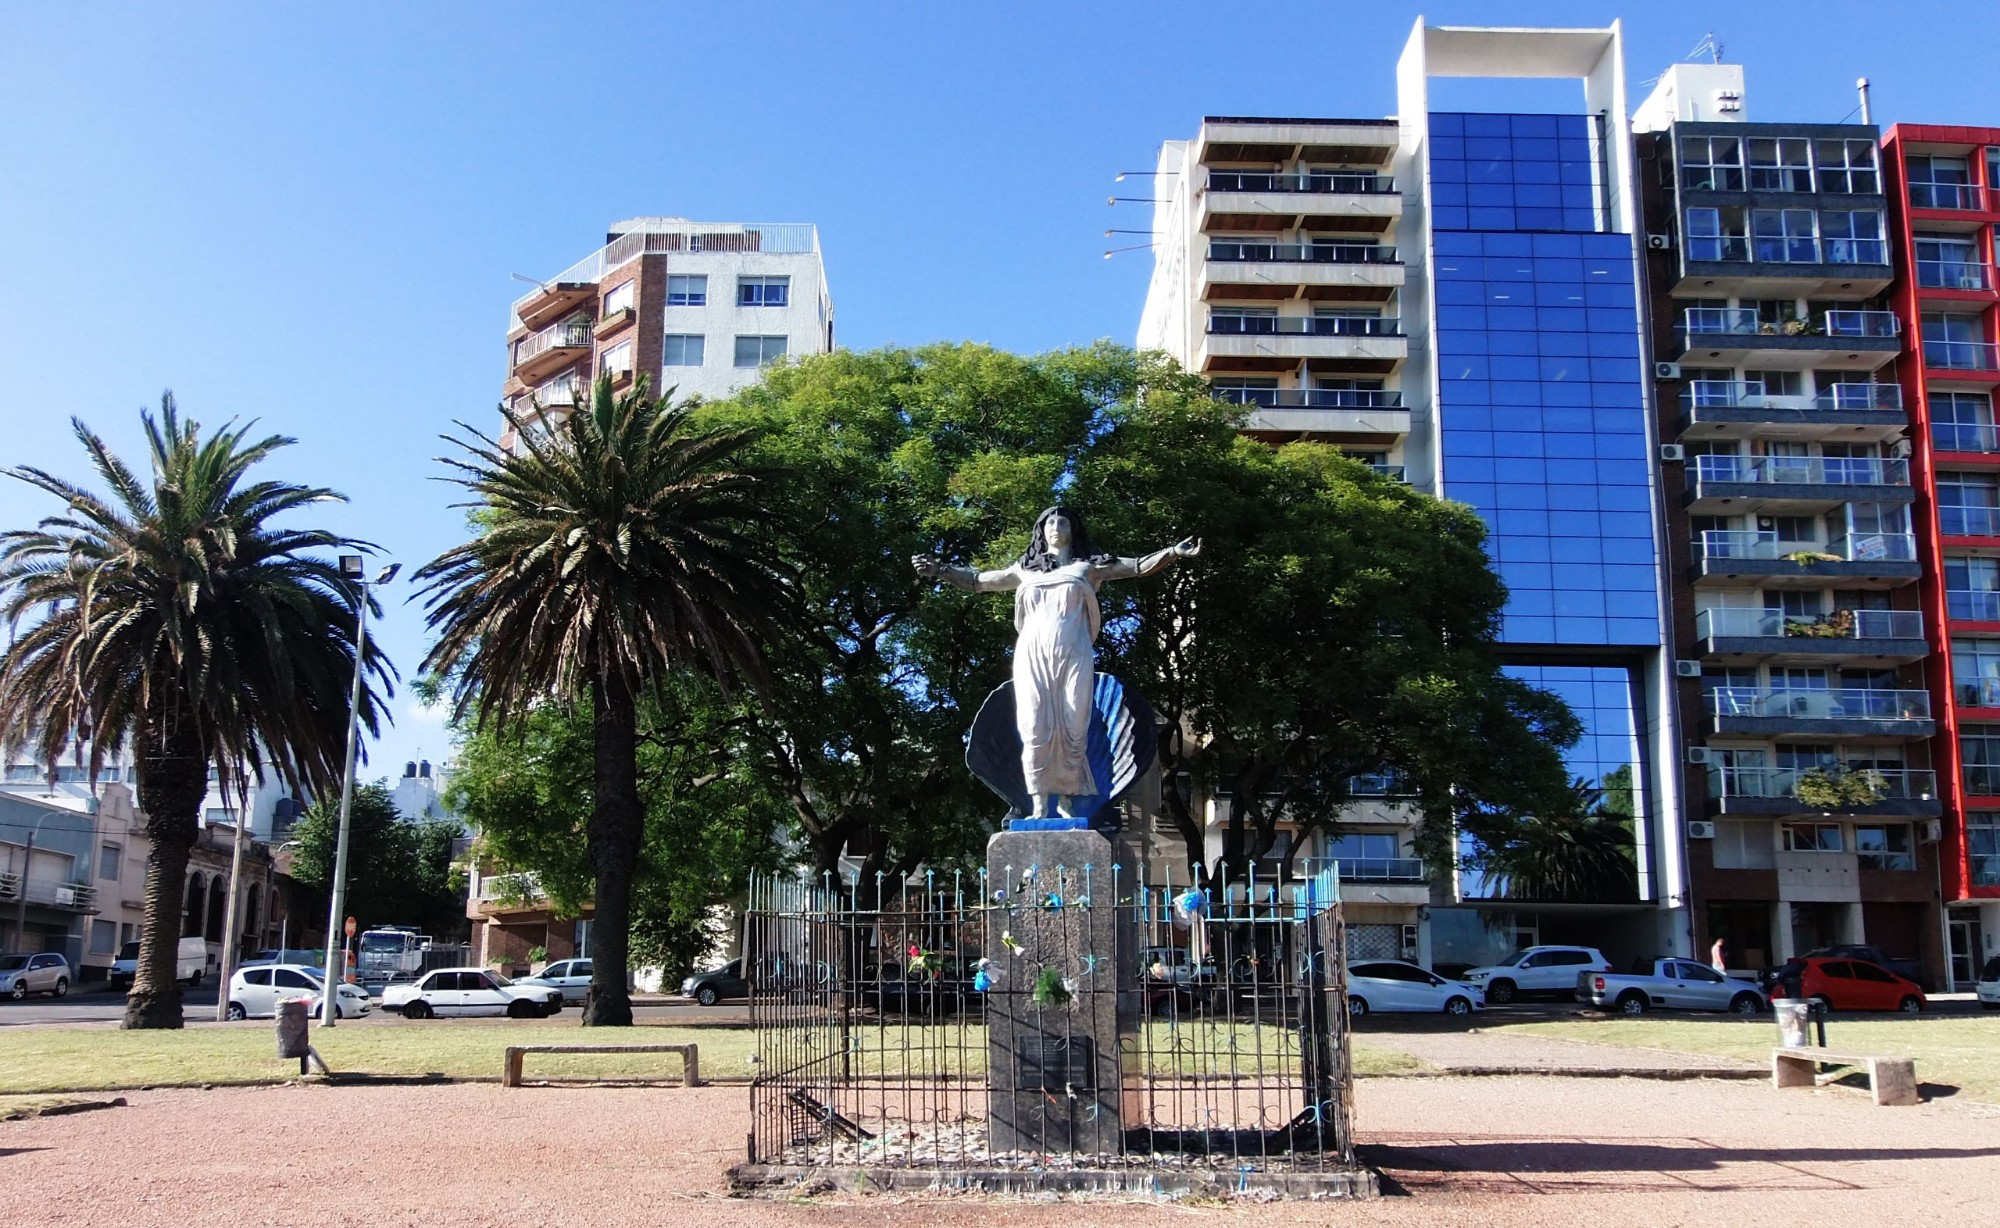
190	963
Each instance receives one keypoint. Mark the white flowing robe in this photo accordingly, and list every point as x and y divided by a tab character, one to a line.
1056	620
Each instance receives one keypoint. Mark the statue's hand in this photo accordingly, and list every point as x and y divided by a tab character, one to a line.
927	565
1187	547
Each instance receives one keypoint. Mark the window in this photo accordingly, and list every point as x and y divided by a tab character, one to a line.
687	290
682	350
108	856
1949	262
288	979
763	291
1846	166
757	351
1938	182
1869	972
1982	845
619	299
1975	670
1953	341
1812	837
616	359
1690	971
1853	236
1979	751
256	976
103	937
1968	503
1884	846
1243	320
1962	422
1780	164
1712	163
1717	234
1784	236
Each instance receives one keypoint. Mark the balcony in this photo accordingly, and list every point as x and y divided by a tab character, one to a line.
1263	343
1973	356
1968	521
50	893
1849	712
553	301
1254	269
1953	275
1964	437
1867	560
508	893
1362	416
1843	339
1901	792
1966	605
1885	636
1346	183
1977	693
1787	485
544	353
1273	201
1736	409
1957	197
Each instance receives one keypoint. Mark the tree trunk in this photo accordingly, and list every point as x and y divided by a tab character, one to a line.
173	779
615	829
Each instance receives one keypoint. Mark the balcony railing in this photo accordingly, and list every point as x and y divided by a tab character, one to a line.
1953	275
1968	521
1972	606
1901	784
1964	437
1978	692
1947	196
1396	473
510	888
1303	253
1745	623
1312	398
555	336
1852	322
1804	470
10	886
1721	544
1745	322
1365	869
1750	394
1303	326
1266	181
1835	703
50	893
1962	355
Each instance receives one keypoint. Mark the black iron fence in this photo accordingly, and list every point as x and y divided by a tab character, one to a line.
1065	1016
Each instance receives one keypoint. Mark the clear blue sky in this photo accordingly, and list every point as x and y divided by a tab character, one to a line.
307	213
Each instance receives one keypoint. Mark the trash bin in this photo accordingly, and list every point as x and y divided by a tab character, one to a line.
293	1038
1793	1016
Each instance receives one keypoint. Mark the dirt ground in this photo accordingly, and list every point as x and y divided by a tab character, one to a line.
1455	1151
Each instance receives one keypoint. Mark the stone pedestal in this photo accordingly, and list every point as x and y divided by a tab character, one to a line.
1053	1068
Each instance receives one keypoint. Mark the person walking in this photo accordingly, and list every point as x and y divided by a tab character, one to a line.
1718	957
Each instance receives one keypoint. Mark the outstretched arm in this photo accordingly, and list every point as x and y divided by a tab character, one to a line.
965	577
1147	564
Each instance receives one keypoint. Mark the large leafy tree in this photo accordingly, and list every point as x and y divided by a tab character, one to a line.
398	871
175	613
616	548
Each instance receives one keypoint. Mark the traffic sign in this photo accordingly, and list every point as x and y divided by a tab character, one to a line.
350	927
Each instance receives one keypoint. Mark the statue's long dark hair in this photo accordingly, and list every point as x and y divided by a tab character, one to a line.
1037	556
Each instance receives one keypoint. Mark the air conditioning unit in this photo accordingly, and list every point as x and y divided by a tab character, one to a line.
1698	754
1767	523
1687	669
1659	243
1666	370
1901	449
1672	452
1931	831
1701	829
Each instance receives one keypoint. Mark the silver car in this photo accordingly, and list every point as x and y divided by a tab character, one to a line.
21	975
572	976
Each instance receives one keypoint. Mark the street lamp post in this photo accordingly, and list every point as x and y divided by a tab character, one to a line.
350	567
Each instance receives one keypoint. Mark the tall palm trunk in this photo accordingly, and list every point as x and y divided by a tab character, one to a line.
173	780
616	825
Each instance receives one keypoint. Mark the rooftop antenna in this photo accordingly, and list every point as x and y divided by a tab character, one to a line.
1709	44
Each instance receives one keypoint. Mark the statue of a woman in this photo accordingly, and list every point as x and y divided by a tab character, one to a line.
1055	667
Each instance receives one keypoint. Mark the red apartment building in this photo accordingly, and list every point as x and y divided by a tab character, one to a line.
1944	205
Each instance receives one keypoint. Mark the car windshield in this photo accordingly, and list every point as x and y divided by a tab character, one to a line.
499	980
13	963
1513	961
1992	970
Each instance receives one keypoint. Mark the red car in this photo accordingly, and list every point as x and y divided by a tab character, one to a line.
1848	985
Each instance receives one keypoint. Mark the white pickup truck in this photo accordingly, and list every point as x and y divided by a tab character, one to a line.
1677	984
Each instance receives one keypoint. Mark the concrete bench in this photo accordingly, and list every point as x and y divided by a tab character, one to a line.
510	1076
1892	1079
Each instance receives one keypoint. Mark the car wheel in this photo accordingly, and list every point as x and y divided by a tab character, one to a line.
20	993
1357	1008
417	1008
520	1008
707	995
194	980
1501	991
1632	1003
1745	1004
62	987
1911	1004
1458	1004
235	1012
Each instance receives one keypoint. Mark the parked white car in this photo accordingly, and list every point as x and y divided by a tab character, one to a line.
254	993
1537	970
572	976
1988	987
1392	985
455	992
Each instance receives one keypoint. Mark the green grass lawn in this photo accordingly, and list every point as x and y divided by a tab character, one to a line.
49	1060
1961	1051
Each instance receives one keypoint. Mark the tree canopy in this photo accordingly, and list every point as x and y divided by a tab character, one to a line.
398	872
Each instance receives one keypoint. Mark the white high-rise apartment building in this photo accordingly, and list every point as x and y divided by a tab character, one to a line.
701	307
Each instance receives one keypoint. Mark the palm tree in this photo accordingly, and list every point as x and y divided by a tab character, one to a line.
614	547
174	615
1581	853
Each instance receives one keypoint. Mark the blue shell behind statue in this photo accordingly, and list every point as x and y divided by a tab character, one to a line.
1122	747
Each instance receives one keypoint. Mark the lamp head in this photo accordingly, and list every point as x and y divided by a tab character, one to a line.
350	566
387	573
